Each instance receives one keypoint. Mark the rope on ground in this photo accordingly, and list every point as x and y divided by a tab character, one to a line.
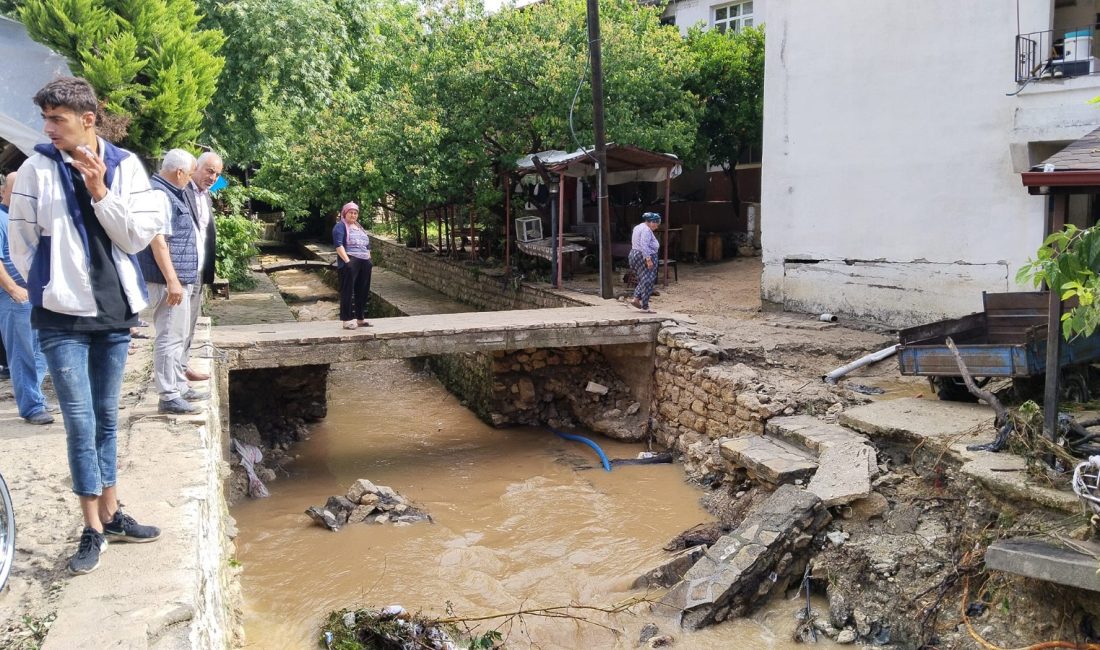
986	645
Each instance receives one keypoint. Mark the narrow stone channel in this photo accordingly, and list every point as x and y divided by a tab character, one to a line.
522	518
518	523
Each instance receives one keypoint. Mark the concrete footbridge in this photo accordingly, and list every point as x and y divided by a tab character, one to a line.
282	345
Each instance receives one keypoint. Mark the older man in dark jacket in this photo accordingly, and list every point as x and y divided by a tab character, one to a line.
171	268
206	172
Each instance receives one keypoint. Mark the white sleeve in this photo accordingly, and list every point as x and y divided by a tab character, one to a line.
132	218
23	228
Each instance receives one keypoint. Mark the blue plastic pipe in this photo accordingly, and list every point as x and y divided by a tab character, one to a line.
575	438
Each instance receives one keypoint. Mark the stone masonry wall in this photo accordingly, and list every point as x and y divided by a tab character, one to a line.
539	387
279	401
485	291
697	401
741	570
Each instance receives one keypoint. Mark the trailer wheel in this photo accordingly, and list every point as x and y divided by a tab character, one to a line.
952	389
1075	388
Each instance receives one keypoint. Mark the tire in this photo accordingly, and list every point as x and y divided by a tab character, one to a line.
1075	388
952	389
7	533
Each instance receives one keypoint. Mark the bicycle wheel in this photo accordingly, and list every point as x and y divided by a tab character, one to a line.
7	533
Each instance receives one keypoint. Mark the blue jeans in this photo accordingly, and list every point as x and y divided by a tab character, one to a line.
25	360
87	369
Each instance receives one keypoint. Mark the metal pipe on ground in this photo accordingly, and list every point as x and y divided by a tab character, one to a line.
874	357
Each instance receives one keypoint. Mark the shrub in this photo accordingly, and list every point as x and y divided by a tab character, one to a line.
237	236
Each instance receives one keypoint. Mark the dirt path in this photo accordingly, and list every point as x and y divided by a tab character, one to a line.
46	511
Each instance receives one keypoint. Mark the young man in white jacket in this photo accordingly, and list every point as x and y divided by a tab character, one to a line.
81	208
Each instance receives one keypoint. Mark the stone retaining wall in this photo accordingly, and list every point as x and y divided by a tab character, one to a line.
547	386
487	291
742	570
697	402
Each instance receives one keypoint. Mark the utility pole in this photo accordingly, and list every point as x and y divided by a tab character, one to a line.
602	210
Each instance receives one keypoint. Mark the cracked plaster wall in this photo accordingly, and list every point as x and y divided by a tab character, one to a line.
903	148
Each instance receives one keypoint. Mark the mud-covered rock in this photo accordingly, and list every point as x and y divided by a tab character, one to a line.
365	502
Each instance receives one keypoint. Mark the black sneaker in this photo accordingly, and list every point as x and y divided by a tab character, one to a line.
92	543
123	528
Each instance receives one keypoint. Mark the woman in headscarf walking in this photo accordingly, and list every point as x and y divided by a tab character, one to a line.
354	266
643	259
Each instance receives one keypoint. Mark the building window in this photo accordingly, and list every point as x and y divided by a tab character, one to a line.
733	17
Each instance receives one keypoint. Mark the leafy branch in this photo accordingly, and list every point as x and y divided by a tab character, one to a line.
1067	262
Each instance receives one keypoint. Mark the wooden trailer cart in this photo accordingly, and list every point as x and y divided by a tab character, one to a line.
1008	339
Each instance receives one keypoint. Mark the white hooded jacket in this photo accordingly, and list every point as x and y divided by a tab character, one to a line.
48	243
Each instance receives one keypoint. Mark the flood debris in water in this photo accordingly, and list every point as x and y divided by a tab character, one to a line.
389	628
367	503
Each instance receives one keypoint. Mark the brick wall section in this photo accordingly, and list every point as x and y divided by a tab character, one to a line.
487	291
697	401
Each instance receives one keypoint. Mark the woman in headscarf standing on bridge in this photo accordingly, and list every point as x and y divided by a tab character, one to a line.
643	259
354	266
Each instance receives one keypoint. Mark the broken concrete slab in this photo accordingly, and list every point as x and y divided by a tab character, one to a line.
844	473
672	570
1006	476
1046	560
810	433
741	570
912	419
769	460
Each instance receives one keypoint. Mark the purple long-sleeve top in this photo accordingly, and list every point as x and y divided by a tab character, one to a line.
644	240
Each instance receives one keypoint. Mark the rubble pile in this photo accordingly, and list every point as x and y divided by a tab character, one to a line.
366	503
389	628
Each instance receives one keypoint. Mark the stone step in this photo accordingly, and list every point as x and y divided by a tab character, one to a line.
844	473
1044	560
912	419
811	434
768	459
766	553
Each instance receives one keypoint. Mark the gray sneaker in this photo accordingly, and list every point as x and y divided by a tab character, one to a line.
41	417
123	528
175	406
92	543
193	395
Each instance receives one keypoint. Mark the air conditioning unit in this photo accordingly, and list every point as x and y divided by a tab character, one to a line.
528	228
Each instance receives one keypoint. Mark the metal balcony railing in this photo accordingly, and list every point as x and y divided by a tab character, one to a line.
1057	54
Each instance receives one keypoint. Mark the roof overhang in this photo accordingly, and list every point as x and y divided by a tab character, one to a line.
625	163
1062	182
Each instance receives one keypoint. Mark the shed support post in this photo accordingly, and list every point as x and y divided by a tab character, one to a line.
1057	204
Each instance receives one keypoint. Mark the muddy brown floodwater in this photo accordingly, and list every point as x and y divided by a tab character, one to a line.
518	524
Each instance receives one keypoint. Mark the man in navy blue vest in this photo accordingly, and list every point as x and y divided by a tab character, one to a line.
171	265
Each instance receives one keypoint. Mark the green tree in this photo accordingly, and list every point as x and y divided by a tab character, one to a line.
481	91
728	75
1068	261
153	67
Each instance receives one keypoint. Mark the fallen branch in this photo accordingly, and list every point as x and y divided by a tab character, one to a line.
1003	422
557	611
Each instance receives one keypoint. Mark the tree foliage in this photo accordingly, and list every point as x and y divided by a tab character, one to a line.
426	105
153	67
1068	261
237	236
728	76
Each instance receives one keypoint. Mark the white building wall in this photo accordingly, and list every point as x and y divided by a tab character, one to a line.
892	153
689	13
